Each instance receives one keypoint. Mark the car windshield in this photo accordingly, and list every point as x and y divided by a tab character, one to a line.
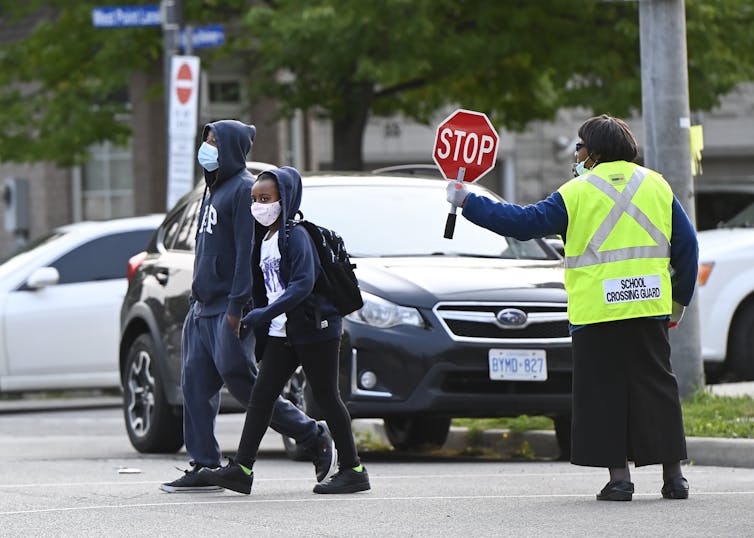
382	220
744	219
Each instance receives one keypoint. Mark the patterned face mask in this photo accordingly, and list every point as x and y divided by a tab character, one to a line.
266	214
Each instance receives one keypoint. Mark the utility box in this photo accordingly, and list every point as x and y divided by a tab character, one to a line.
15	193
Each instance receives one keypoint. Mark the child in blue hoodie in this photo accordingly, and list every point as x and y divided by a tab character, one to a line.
295	327
213	352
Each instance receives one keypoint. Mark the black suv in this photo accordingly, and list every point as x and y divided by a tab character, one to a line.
475	326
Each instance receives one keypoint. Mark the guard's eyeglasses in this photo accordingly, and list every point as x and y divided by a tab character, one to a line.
579	145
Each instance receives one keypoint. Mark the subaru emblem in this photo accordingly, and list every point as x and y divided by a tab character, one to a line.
511	317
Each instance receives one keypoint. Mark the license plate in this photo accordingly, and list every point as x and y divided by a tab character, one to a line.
518	364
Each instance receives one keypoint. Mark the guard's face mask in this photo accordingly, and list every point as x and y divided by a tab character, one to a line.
580	168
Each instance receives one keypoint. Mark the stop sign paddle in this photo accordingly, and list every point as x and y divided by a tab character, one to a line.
465	149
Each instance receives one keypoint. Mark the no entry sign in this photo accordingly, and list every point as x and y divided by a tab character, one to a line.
467	140
184	83
184	92
183	114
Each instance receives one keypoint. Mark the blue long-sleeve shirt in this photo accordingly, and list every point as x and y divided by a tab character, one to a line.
549	216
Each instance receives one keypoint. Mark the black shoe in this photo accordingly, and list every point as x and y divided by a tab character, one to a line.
232	477
675	488
345	481
190	482
619	490
323	452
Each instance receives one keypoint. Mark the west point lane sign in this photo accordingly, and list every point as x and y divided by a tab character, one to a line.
126	16
123	16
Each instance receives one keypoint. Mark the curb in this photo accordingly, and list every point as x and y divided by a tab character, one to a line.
712	451
24	405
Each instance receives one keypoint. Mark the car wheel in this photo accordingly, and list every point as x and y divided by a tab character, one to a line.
562	425
298	391
416	432
741	343
151	423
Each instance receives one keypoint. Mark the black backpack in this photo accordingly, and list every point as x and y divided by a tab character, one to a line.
337	281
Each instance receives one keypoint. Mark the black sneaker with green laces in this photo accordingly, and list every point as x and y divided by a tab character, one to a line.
346	480
232	477
190	482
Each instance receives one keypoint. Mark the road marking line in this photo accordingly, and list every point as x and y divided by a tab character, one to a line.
361	497
690	473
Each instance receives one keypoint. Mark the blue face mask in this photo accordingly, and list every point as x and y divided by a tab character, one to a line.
580	168
207	157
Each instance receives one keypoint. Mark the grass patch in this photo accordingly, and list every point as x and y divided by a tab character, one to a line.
704	415
366	441
707	415
515	424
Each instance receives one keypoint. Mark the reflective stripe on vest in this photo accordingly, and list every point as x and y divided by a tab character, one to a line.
592	255
617	244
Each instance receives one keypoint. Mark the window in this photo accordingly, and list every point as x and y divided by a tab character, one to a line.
107	183
225	91
104	258
186	238
170	228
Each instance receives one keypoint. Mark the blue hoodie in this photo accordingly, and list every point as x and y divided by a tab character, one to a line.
222	280
310	317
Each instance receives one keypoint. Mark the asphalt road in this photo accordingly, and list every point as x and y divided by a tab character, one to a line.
73	473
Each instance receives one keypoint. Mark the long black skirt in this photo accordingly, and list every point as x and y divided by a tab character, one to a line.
625	396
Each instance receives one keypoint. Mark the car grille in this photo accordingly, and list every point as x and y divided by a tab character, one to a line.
546	323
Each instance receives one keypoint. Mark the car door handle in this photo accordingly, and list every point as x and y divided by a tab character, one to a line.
162	276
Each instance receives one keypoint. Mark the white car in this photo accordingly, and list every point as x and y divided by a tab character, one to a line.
60	299
725	294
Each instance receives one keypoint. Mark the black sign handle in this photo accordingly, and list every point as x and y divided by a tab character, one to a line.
450	222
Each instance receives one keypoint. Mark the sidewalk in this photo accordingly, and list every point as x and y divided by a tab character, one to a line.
537	443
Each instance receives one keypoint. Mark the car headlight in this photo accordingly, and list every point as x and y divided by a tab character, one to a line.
383	314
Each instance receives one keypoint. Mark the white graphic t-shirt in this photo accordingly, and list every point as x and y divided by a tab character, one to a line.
270	265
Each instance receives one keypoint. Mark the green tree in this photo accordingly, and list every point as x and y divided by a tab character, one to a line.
517	60
64	84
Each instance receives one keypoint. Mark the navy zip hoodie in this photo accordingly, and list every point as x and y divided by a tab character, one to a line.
310	317
222	280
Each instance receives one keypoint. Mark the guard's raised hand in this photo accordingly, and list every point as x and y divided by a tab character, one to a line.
456	193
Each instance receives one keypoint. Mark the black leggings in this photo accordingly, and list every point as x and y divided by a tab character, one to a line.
320	363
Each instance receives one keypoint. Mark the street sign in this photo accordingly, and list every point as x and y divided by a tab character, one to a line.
203	36
467	140
184	86
124	16
465	149
183	117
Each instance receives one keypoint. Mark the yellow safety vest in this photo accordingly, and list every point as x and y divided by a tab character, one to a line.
617	245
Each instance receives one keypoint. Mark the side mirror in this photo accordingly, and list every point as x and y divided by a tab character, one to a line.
43	277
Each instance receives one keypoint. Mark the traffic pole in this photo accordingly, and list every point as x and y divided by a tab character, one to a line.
667	119
172	11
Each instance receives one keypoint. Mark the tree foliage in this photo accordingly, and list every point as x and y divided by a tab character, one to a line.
62	87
